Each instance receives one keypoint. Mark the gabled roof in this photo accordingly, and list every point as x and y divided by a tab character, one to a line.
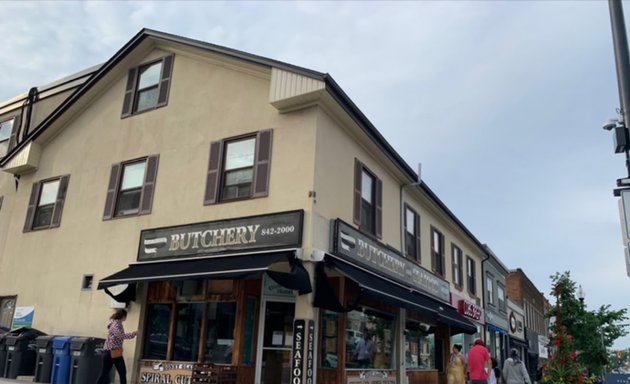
333	89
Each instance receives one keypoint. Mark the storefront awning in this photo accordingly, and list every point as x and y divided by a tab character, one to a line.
246	266
518	343
459	324
381	288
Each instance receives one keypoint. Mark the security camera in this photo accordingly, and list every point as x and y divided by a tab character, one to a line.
610	124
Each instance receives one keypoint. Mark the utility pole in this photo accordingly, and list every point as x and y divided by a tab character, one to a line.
621	137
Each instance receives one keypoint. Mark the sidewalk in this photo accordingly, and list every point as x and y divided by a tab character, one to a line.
8	381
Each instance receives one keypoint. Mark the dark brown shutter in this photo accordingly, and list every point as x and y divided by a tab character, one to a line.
165	81
32	205
263	162
148	188
453	264
442	256
13	139
112	191
378	211
61	198
358	172
417	235
213	175
130	90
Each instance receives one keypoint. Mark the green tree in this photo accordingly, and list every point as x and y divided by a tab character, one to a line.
593	331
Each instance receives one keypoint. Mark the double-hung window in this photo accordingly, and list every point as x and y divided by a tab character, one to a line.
238	172
148	86
128	199
501	296
456	254
470	273
46	203
437	251
412	234
490	289
239	168
131	187
368	191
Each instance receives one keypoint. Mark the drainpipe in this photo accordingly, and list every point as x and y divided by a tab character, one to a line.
483	283
401	372
33	96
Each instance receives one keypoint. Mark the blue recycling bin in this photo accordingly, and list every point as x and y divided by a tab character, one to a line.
61	360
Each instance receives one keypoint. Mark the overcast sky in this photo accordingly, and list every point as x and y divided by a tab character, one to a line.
501	102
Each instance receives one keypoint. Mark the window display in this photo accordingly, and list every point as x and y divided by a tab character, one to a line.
329	351
419	346
369	340
204	322
220	332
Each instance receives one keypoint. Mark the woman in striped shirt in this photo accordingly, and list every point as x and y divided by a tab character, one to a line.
112	355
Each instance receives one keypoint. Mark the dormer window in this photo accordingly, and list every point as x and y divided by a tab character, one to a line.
148	86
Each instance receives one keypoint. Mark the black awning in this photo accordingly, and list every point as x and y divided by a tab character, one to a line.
518	343
393	293
296	279
227	267
459	324
123	293
383	289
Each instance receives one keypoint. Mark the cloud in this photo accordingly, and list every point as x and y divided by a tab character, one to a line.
502	102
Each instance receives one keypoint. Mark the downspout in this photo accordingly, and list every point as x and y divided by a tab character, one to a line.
401	372
33	96
486	258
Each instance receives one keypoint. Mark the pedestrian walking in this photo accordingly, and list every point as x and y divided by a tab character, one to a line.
479	363
456	366
113	348
514	371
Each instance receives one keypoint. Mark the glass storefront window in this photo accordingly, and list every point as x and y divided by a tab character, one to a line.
248	343
196	323
187	331
329	340
220	332
156	339
419	347
369	340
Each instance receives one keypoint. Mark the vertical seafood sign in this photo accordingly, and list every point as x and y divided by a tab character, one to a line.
274	231
298	351
310	349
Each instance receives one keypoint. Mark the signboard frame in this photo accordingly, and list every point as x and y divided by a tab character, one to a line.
251	233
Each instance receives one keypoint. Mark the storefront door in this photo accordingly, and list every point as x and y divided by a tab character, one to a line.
276	341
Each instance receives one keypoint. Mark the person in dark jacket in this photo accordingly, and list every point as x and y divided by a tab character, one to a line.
497	370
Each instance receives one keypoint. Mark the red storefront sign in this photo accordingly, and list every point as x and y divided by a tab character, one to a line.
470	310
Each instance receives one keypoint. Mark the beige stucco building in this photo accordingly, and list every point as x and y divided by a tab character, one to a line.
227	189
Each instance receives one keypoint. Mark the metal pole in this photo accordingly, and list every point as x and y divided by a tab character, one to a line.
622	62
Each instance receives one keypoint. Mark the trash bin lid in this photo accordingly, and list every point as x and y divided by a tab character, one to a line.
81	342
43	341
61	341
28	333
